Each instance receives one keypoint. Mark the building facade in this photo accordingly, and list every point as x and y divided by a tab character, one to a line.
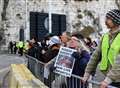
79	14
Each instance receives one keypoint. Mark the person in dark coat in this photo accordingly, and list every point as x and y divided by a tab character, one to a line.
82	57
53	49
31	50
11	47
36	48
15	47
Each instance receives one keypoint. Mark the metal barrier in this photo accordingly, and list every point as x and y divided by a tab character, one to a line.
55	80
36	67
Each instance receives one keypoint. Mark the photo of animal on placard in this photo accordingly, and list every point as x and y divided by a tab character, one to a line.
65	61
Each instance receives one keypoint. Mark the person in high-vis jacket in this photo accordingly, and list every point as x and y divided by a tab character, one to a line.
26	46
107	54
21	45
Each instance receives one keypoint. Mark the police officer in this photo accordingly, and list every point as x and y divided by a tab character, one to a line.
21	45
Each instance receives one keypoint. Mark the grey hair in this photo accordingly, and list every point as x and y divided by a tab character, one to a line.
69	34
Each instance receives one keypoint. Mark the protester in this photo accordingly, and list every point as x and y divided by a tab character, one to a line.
107	54
44	46
89	44
94	45
65	37
81	59
53	49
88	41
36	47
31	50
61	40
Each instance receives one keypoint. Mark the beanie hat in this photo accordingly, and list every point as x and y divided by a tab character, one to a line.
54	40
114	15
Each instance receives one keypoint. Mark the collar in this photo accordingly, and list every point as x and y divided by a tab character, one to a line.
112	33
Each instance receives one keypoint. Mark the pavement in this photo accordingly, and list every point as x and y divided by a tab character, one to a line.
5	61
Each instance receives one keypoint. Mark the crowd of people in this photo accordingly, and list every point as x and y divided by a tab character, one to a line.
49	47
106	53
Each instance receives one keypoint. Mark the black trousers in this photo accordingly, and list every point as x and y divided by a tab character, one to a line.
115	84
21	51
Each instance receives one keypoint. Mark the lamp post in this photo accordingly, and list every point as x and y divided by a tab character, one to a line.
69	26
26	18
50	15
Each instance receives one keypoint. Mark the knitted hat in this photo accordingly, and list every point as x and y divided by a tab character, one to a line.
54	40
114	15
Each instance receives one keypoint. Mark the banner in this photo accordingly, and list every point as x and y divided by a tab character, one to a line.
64	62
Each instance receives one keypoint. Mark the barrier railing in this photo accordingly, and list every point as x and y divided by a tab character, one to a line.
36	67
55	80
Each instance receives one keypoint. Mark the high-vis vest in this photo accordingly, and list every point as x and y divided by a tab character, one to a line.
109	52
26	46
17	44
21	44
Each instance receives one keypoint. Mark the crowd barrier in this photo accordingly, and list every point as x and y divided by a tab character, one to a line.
21	77
55	80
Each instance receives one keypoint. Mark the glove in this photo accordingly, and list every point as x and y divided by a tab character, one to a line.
76	55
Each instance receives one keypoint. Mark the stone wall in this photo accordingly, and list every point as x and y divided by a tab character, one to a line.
80	14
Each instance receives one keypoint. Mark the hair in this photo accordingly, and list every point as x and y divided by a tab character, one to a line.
34	38
89	39
69	35
83	46
77	34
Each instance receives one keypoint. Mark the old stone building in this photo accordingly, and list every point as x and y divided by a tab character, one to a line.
80	14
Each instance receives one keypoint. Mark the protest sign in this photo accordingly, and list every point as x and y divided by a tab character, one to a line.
64	62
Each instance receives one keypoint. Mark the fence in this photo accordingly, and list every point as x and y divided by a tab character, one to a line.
54	80
36	67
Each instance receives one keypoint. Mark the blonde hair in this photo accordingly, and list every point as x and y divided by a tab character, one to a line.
83	46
